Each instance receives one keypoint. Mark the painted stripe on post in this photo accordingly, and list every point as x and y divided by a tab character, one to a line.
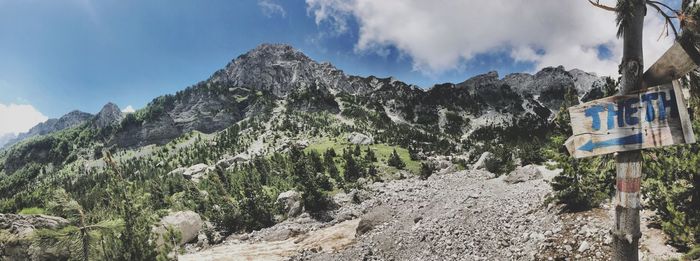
629	185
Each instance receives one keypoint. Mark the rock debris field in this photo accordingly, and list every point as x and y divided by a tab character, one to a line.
463	215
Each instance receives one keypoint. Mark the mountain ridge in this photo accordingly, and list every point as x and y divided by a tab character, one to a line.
255	82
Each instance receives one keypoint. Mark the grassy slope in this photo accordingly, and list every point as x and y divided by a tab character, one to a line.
381	150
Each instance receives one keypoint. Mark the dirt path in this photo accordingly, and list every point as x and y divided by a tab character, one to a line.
464	215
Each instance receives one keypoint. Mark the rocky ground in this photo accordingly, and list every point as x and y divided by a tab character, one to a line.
464	215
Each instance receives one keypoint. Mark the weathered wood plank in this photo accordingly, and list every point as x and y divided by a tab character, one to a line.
676	62
687	126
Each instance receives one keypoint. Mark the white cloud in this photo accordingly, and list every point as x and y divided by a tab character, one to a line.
270	8
128	109
17	118
439	35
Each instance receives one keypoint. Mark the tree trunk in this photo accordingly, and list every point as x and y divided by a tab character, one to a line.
626	232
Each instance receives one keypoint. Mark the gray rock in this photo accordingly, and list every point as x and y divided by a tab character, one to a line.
522	174
225	162
177	172
481	162
584	247
197	172
19	243
188	223
359	138
290	201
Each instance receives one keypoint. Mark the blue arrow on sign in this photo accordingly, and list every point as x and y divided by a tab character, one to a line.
627	140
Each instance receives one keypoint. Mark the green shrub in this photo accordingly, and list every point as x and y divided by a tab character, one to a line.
395	161
584	183
426	170
32	211
502	161
672	187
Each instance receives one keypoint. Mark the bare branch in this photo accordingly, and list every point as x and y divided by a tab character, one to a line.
664	5
669	22
602	6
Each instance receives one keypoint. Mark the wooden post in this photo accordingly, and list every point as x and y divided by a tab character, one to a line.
626	232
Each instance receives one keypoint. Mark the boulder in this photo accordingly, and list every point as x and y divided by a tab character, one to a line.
481	163
17	242
194	173
243	157
290	201
177	171
342	198
359	138
226	162
188	223
302	144
353	197
522	174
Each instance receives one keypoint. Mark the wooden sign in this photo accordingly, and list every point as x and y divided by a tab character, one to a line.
649	118
676	62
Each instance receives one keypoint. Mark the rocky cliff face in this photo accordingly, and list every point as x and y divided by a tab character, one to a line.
281	69
205	107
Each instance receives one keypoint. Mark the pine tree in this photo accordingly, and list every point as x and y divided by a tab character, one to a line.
333	170
308	183
330	153
316	163
77	236
370	156
352	169
372	171
395	161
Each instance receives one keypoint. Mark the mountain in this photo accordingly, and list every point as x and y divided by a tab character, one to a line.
108	116
275	77
281	69
276	126
4	139
70	120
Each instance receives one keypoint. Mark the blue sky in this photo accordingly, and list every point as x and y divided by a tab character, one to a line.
57	56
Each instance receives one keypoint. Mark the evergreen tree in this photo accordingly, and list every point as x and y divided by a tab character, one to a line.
255	206
370	156
330	153
395	161
78	235
316	163
357	152
333	171
372	171
352	169
308	183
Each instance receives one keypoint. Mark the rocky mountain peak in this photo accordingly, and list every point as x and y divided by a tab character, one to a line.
72	119
109	115
281	69
486	79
